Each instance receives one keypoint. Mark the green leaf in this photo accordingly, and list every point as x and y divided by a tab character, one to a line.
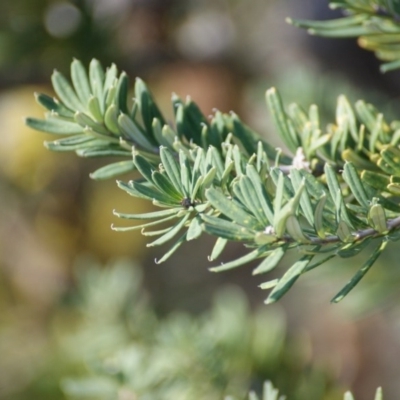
164	185
122	93
269	284
375	180
332	181
53	105
353	249
278	201
150	215
218	248
361	272
351	177
85	121
73	143
345	116
147	106
103	152
73	140
111	119
379	394
377	218
190	121
319	217
295	230
172	250
231	209
133	132
55	126
305	201
346	32
290	208
144	226
375	133
226	229
110	78
261	192
96	76
271	261
171	168
344	232
159	136
194	230
65	92
95	109
390	66
366	116
170	233
140	190
185	174
289	278
112	170
280	120
252	200
319	262
80	81
144	167
242	260
264	238
336	194
329	24
391	156
110	96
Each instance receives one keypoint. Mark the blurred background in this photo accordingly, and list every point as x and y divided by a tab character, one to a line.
224	54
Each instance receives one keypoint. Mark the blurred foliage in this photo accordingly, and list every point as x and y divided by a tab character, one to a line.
107	338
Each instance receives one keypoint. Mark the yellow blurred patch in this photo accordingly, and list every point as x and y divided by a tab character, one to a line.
101	240
24	160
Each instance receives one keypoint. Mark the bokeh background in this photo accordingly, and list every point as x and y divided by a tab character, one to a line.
224	54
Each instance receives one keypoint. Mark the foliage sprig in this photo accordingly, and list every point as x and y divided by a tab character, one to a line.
376	24
330	195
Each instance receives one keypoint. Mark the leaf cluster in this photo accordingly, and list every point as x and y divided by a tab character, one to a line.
331	194
376	24
132	353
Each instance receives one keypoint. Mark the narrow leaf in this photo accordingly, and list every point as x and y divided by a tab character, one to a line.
96	76
172	250
194	230
80	81
54	126
218	248
271	261
279	117
361	272
53	105
242	260
351	177
171	233
112	170
231	209
65	92
288	279
171	168
150	215
226	229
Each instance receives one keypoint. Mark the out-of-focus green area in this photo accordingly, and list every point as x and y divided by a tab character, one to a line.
224	54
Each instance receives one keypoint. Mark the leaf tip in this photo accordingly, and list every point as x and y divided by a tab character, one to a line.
270	300
271	91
